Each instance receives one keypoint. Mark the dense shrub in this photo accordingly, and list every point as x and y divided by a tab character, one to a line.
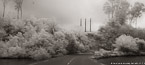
40	54
16	52
141	44
40	39
113	30
72	46
126	44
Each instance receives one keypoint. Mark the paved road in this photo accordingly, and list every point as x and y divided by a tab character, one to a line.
70	60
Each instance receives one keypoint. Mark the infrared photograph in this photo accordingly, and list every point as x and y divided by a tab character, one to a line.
72	32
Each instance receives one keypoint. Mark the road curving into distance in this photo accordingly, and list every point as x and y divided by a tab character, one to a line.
82	59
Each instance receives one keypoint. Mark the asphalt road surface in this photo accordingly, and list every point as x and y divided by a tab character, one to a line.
70	60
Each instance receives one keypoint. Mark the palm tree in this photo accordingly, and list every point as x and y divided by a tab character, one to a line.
4	6
18	7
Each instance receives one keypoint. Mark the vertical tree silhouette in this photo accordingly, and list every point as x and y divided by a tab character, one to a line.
18	7
4	6
85	25
90	25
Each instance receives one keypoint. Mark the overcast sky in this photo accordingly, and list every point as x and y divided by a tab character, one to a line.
68	12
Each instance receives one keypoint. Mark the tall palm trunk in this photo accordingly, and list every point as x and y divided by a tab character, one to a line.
21	13
21	9
112	11
18	14
4	10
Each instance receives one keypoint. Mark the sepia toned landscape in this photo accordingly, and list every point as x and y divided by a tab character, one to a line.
72	32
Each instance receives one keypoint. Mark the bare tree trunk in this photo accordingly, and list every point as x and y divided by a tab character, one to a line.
112	14
21	13
21	9
85	25
136	23
90	25
112	11
18	14
109	16
4	11
131	21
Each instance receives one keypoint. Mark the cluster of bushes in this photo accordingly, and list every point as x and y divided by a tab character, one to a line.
119	34
113	30
124	46
129	45
39	39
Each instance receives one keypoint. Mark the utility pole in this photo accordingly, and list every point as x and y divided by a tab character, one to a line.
90	25
85	25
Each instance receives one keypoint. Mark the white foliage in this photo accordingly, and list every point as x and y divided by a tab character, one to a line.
126	42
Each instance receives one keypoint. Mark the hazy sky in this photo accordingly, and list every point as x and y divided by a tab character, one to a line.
68	12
